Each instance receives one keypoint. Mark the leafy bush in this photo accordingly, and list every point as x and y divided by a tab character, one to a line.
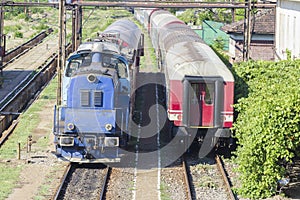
268	124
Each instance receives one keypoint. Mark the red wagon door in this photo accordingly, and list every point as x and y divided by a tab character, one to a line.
201	109
202	103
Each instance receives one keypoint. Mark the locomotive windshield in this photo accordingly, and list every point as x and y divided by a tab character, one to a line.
95	62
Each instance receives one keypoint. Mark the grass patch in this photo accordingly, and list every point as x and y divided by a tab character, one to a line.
151	52
28	122
207	182
45	190
8	179
163	191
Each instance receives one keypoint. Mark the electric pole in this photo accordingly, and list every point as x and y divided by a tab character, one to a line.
76	27
247	32
2	48
61	48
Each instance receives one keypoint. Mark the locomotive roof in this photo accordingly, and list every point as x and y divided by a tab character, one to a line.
129	32
98	47
195	59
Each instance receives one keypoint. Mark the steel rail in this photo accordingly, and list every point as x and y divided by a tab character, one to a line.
187	180
225	178
105	181
7	132
62	181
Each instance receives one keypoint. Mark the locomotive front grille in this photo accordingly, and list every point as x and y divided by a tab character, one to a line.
98	98
85	98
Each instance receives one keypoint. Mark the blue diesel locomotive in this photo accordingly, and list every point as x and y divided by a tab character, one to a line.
92	122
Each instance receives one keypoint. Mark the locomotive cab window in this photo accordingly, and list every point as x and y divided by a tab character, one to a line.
72	67
122	70
117	64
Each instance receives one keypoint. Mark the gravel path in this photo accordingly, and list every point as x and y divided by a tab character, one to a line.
207	180
172	181
120	184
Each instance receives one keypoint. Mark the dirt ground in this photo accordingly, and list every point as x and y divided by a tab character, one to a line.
42	172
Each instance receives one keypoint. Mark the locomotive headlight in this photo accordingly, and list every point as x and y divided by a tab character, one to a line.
91	78
108	127
71	126
111	141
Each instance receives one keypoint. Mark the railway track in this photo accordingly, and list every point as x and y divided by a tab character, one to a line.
22	96
84	181
175	181
28	74
24	77
187	180
225	177
208	178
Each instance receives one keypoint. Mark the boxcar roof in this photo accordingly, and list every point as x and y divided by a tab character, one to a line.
176	33
163	19
129	32
194	59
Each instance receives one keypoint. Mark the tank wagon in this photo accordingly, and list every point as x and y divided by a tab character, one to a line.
92	122
200	87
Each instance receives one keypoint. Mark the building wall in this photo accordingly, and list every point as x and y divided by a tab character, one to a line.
259	50
287	28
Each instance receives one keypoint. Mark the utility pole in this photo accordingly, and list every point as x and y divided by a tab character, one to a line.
2	48
247	31
74	11
78	26
232	13
61	49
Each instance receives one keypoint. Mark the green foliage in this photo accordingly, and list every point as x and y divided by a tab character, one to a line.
12	12
239	14
23	16
196	16
267	127
219	43
288	54
190	16
15	28
41	26
18	34
222	55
